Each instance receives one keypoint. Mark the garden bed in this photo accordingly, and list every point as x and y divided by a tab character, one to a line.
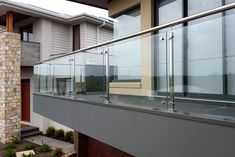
60	134
21	147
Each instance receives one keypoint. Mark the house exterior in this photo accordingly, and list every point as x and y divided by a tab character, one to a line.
46	34
168	82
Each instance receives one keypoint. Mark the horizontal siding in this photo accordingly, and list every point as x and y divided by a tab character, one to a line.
91	35
82	35
105	35
61	38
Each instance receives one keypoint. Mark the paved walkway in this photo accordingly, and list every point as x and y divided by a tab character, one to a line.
67	147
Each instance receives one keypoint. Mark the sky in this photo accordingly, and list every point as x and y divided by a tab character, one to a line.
66	7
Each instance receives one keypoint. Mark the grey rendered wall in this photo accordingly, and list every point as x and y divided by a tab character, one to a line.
30	53
143	134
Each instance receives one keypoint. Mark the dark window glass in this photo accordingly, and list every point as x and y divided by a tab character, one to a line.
27	33
76	37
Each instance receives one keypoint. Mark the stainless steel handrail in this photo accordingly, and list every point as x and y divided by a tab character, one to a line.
170	24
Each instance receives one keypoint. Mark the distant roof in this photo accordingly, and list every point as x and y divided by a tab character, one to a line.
35	11
96	3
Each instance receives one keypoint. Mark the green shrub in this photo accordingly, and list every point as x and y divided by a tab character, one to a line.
58	152
10	152
69	136
50	131
10	146
59	133
16	140
29	146
45	148
29	155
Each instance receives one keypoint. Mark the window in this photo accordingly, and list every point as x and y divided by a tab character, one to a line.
205	72
204	49
127	24
27	33
76	37
130	19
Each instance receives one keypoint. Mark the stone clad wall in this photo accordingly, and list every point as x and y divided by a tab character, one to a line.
10	98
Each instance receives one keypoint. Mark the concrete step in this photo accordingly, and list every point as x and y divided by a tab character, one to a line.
29	131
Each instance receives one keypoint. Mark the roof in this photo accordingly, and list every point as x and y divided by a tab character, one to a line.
31	10
96	3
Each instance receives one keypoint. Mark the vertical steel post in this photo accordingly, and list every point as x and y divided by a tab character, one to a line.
171	70
107	75
39	78
74	77
167	74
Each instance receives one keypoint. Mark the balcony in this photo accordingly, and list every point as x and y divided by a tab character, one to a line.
30	53
168	90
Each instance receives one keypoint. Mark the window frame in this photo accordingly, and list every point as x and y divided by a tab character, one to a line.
78	27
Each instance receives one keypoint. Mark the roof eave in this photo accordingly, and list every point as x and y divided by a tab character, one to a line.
101	5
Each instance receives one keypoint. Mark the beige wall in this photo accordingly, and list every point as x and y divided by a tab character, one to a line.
146	85
46	38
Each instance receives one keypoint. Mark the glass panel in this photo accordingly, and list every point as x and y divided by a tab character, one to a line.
205	50
161	70
230	50
63	76
208	45
43	77
50	74
89	75
36	78
30	36
127	23
30	32
127	70
139	90
25	36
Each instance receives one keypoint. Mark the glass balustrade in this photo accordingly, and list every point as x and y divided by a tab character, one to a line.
187	68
